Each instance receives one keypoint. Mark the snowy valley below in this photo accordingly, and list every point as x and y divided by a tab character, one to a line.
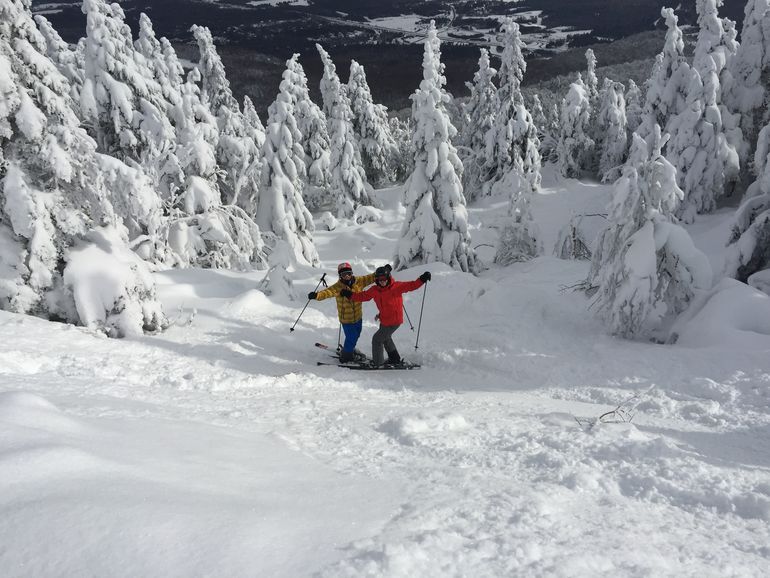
219	447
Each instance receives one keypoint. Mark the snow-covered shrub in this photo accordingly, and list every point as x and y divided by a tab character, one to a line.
520	237
111	288
277	282
572	243
206	233
366	214
328	221
645	266
436	224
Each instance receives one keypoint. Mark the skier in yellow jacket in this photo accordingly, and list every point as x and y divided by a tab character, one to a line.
349	312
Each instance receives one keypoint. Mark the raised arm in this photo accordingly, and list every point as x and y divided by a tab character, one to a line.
332	291
361	296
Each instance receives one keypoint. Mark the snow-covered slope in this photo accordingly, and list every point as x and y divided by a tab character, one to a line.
220	448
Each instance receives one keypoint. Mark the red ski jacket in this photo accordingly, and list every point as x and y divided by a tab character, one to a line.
389	299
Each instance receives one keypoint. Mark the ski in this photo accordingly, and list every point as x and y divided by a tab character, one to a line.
336	354
368	367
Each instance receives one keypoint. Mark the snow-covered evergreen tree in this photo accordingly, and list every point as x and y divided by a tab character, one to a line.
750	237
401	130
591	80
348	185
63	56
124	107
513	143
520	236
436	224
633	107
701	147
750	74
370	123
613	126
479	110
198	229
669	82
237	154
281	210
312	125
575	144
645	266
53	200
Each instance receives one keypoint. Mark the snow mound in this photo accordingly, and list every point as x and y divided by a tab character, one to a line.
732	315
249	304
414	429
21	409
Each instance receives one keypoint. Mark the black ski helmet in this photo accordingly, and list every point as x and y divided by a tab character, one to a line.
382	272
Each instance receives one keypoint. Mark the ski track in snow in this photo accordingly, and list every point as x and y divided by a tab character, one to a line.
473	465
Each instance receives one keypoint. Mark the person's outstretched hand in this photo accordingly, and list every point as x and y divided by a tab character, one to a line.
312	295
425	277
346	293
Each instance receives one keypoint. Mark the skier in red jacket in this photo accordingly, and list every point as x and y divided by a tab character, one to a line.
388	295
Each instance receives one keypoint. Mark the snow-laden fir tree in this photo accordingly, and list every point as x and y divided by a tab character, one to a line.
613	126
513	144
668	84
370	123
633	107
124	108
312	125
701	147
646	267
348	185
575	145
119	93
237	154
63	253
519	237
591	80
281	211
749	242
198	229
479	111
750	74
63	56
436	224
401	130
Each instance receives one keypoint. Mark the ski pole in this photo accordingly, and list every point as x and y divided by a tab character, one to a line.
419	323
339	338
407	318
323	277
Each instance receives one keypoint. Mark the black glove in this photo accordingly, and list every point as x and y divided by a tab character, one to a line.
425	277
312	295
346	293
388	267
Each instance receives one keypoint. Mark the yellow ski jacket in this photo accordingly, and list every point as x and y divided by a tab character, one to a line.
348	311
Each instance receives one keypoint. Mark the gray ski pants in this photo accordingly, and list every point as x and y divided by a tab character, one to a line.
383	339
